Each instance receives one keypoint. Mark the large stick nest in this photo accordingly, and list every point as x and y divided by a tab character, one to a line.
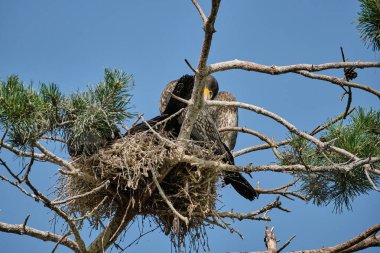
126	168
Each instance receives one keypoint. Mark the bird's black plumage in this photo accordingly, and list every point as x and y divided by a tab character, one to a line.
204	130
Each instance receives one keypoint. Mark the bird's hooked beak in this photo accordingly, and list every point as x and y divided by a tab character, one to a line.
207	93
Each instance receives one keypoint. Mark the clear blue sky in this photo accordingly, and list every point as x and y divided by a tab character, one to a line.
71	42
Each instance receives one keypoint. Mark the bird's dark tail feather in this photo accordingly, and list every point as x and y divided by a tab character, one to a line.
240	184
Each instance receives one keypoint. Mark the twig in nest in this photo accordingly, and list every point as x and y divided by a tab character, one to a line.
170	117
95	190
157	134
170	205
135	122
88	215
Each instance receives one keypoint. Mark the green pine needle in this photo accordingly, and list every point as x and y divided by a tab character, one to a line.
360	136
86	119
369	23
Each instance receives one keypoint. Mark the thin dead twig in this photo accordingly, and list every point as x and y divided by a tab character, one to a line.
203	16
95	190
167	201
257	134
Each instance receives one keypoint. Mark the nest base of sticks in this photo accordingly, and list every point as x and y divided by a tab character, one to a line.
123	179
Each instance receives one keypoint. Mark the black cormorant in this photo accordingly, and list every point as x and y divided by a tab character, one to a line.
204	130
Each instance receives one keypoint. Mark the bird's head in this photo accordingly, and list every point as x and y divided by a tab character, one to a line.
211	87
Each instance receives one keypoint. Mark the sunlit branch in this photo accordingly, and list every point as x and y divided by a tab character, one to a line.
277	168
339	81
42	235
203	16
276	70
287	141
349	245
257	134
202	72
286	124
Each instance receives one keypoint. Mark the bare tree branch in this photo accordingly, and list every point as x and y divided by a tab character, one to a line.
351	244
286	244
339	81
252	215
54	158
23	153
201	163
282	190
202	72
203	16
287	141
286	124
277	70
42	235
257	134
373	241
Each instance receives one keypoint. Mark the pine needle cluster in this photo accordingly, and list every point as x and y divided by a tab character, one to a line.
360	136
369	23
28	114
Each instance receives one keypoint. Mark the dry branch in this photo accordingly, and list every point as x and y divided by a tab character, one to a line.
42	235
364	239
276	70
202	72
202	163
287	141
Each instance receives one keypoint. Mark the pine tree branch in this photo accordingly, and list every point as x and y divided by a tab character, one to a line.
47	202
321	145
257	134
252	215
57	160
373	241
282	190
202	71
51	157
201	13
339	81
287	141
303	69
202	163
356	243
38	234
277	70
23	153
